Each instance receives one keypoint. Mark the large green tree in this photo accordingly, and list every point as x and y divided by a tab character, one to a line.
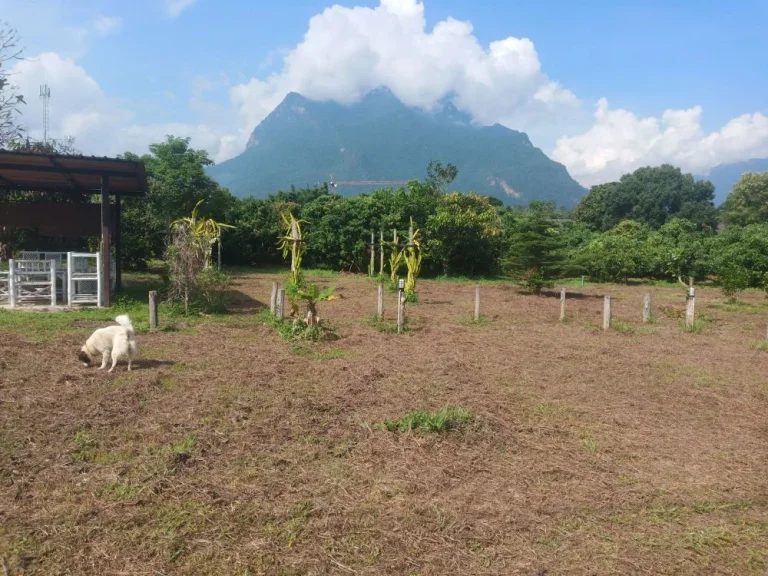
464	234
679	250
740	256
177	182
535	246
652	196
748	201
618	254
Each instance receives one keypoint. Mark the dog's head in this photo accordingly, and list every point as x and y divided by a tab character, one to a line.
83	356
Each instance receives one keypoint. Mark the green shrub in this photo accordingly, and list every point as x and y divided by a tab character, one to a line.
213	290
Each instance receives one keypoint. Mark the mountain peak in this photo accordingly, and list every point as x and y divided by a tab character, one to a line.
379	138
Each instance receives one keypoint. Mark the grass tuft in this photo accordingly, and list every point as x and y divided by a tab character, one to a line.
294	329
301	349
443	420
762	346
472	323
698	327
385	325
624	328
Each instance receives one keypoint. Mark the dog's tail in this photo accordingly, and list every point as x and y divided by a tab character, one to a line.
124	320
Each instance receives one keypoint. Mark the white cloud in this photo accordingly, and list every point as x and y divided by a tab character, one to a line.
101	125
174	8
620	142
346	52
106	25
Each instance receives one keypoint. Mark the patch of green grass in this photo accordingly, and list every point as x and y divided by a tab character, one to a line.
696	376
300	349
443	420
472	323
177	523
295	330
739	306
624	328
122	490
166	382
386	325
485	280
548	410
762	346
587	441
41	327
297	522
86	447
87	450
308	273
705	537
184	446
699	325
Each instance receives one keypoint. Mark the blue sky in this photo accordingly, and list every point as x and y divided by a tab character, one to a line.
203	69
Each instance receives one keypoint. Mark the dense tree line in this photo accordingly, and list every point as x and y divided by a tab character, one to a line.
654	223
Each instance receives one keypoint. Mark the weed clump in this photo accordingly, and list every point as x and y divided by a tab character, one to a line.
443	420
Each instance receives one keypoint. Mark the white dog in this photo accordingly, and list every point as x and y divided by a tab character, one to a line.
114	341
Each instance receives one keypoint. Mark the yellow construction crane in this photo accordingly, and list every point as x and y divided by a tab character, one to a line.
334	184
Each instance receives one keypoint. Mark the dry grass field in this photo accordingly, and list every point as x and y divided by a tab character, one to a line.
228	450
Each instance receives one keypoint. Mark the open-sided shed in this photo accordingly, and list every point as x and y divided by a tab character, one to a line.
54	173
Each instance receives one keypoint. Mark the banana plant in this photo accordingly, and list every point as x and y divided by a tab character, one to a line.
312	295
292	243
204	231
412	262
395	261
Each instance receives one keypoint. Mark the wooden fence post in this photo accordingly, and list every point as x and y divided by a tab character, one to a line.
562	305
647	308
280	307
607	313
690	309
372	265
381	252
400	310
477	303
273	298
152	310
380	301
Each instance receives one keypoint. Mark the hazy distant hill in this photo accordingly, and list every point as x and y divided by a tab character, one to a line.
303	142
725	176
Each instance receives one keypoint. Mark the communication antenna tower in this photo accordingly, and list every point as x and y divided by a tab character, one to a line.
45	96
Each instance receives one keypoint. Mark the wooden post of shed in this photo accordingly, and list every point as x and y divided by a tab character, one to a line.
105	242
118	245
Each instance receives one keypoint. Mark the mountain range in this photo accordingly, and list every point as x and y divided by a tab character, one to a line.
304	142
726	175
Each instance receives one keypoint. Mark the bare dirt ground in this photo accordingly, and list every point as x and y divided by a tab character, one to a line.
231	451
